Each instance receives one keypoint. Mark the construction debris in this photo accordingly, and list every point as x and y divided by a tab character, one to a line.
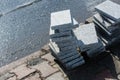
68	39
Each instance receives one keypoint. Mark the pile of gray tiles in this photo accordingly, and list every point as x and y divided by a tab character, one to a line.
107	22
88	41
69	41
62	42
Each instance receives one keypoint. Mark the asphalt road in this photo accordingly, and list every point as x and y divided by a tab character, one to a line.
24	24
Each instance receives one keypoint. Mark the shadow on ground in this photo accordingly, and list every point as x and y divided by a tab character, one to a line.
102	67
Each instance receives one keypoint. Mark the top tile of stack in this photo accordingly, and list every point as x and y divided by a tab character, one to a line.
61	19
86	33
109	9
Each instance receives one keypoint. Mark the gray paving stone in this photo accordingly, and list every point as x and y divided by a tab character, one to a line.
70	58
96	49
72	62
66	52
54	47
61	39
56	76
88	40
102	27
109	9
56	35
65	29
61	19
101	20
109	20
67	55
78	64
86	35
71	43
101	30
68	48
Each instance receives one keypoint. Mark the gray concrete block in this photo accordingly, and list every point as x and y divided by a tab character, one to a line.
70	58
66	55
78	64
60	54
67	28
72	62
109	9
102	28
68	48
109	20
85	35
96	49
61	19
54	47
62	39
101	20
61	34
70	43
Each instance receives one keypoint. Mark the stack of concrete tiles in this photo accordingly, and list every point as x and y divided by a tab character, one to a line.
87	40
62	41
107	21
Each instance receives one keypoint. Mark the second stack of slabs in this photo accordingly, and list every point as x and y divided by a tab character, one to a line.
107	20
62	42
87	40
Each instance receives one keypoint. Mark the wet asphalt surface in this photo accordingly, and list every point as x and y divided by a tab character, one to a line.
24	24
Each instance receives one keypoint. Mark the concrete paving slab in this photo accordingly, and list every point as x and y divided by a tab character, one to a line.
72	62
62	39
101	20
86	33
69	54
68	48
66	52
101	32
59	34
70	58
61	19
79	63
102	27
109	9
